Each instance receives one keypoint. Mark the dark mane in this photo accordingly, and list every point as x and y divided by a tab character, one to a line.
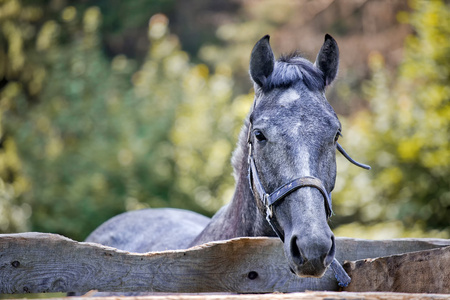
292	68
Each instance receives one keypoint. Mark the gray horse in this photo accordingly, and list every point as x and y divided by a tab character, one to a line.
286	146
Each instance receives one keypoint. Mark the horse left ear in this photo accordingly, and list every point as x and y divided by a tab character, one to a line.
262	61
328	59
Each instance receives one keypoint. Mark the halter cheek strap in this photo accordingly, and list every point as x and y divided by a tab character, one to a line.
268	200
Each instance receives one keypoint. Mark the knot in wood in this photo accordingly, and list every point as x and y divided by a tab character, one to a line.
15	264
252	275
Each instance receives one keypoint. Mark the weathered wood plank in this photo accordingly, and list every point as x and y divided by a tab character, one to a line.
416	272
38	262
278	296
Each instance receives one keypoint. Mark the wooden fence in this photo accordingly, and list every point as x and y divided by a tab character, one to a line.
39	262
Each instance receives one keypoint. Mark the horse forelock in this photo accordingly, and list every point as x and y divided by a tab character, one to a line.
293	68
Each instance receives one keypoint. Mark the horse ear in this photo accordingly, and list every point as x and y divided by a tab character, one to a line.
262	61
328	59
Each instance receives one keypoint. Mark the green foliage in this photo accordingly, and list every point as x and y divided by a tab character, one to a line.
17	75
103	137
406	135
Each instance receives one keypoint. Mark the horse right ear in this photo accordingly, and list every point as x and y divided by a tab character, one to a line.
328	59
262	61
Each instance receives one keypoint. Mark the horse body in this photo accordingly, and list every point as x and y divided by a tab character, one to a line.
290	133
151	229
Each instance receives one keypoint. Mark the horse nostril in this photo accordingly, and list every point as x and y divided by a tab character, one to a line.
296	252
328	258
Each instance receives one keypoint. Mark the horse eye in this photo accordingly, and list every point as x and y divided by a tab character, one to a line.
260	136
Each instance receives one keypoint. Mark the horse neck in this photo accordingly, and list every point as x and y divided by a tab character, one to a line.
241	217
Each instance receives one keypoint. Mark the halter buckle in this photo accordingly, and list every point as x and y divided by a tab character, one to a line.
269	211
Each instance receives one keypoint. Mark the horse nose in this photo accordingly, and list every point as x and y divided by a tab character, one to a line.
311	257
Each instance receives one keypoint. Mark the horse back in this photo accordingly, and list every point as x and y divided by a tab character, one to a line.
149	230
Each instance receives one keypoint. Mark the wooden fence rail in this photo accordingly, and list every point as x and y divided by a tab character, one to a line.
39	262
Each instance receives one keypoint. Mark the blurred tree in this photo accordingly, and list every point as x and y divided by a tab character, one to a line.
87	132
406	134
359	27
94	143
18	75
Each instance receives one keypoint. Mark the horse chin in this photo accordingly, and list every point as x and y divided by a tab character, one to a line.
309	269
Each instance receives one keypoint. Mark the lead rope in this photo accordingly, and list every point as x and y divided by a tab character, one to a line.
339	147
339	272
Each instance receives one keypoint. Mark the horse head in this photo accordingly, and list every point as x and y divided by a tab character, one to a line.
292	140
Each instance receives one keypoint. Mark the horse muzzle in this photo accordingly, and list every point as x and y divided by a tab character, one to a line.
310	257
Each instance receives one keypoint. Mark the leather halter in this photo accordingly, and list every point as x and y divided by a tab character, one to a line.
268	200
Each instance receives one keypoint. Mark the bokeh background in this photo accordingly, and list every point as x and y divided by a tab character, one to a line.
108	106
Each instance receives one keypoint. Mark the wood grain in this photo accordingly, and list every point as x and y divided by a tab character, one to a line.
416	272
39	262
278	296
35	262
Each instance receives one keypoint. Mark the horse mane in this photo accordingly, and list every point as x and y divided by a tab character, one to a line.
240	152
291	68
